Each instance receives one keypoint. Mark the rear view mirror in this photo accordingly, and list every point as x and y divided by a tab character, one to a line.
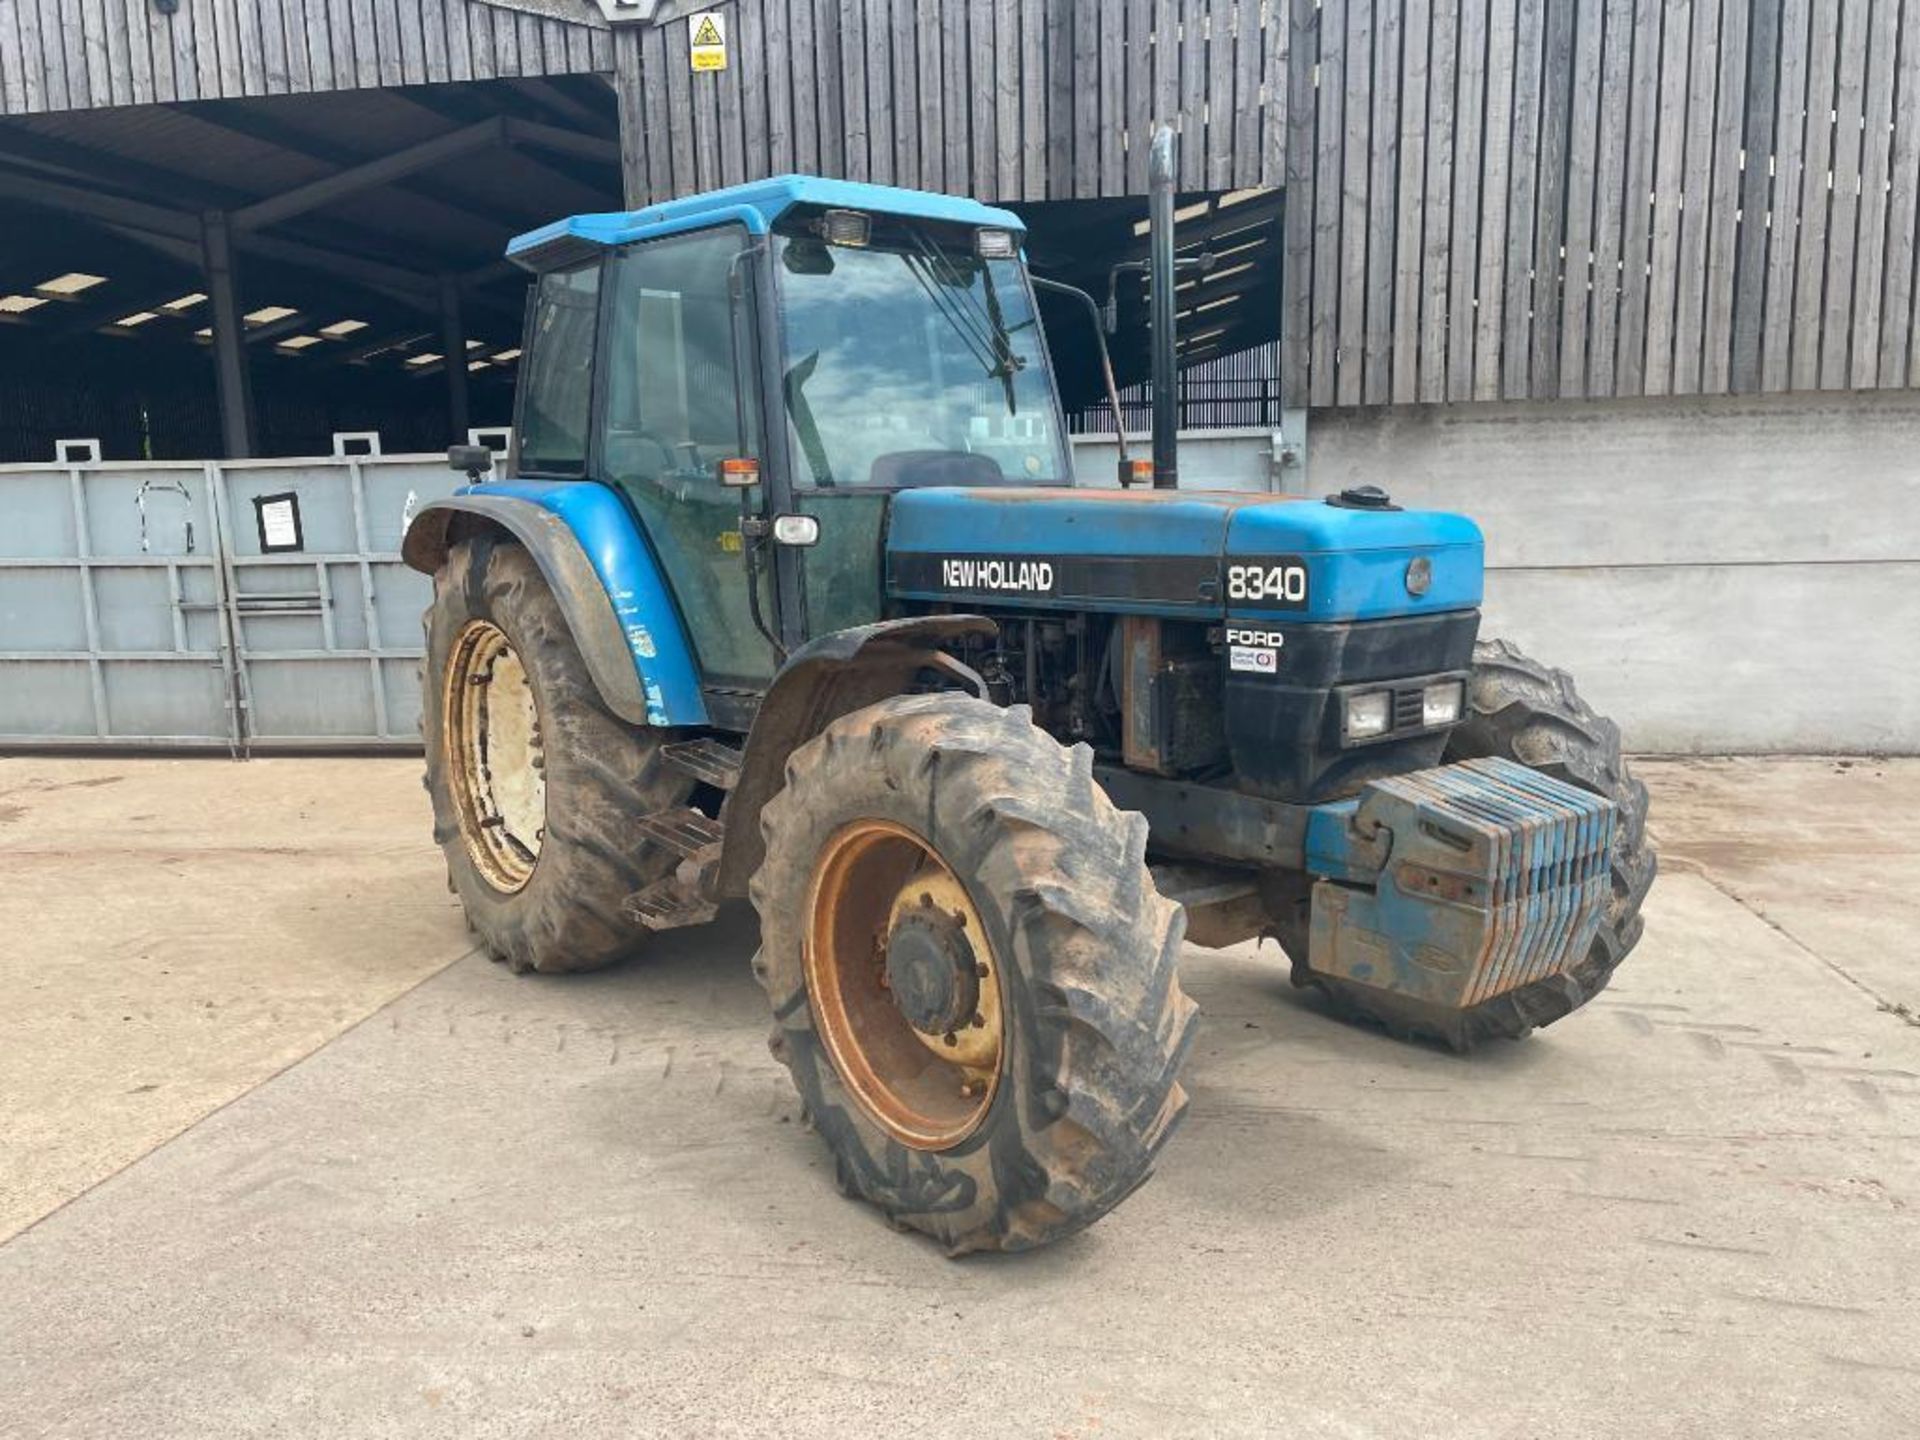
474	460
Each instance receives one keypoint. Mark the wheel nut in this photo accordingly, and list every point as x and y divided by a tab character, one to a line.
981	971
950	1038
979	1022
972	1089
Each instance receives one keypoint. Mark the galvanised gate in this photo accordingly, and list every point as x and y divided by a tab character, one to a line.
240	604
263	604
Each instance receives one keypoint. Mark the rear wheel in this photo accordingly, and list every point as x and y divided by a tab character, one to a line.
1520	709
535	783
972	975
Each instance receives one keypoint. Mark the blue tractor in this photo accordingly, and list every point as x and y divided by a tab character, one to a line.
789	592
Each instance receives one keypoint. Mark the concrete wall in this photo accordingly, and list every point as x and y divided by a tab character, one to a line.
1721	575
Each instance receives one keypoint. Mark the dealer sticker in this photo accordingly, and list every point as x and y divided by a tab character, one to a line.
1253	659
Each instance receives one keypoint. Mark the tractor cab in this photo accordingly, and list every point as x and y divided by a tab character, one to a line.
756	370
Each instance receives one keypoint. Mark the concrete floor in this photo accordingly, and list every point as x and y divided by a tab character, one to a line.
483	1205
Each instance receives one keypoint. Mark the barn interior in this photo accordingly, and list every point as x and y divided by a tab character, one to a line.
352	243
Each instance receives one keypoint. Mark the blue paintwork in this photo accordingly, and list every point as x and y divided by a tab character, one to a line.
1330	843
1356	559
641	599
757	205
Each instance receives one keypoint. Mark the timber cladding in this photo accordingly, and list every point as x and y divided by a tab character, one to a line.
1488	199
1518	199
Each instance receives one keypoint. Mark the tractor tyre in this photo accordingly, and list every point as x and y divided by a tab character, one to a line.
1519	709
973	978
535	783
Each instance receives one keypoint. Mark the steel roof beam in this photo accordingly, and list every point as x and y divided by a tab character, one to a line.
113	209
233	118
551	97
370	175
563	142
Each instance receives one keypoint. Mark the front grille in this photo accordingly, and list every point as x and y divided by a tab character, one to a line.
1547	846
1409	707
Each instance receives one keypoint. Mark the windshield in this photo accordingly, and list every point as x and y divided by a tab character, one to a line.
913	364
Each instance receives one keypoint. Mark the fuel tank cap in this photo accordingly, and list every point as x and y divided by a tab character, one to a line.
1362	497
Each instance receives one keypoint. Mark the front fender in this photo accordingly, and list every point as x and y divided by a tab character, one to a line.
602	571
821	681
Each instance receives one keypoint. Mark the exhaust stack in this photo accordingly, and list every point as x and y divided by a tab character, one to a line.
1160	273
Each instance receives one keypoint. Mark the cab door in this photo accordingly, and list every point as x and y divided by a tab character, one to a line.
676	400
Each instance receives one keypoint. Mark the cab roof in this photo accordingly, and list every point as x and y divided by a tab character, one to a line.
756	205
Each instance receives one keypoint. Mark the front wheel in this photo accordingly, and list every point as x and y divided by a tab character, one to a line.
972	975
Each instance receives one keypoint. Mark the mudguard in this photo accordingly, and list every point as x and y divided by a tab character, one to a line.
821	681
605	577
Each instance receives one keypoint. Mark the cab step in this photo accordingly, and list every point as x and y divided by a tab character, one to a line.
668	904
711	762
681	898
685	832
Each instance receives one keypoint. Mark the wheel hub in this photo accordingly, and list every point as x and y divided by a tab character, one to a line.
494	755
904	984
931	971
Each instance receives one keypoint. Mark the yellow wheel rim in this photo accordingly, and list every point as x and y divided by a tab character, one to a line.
493	756
904	984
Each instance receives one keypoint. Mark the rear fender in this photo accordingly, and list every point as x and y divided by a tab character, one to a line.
821	681
603	573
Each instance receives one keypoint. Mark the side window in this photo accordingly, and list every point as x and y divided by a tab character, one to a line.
557	394
673	402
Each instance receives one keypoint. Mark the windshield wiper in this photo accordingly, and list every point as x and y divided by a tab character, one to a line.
804	425
981	326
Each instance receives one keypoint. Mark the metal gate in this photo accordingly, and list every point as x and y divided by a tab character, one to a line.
263	604
246	605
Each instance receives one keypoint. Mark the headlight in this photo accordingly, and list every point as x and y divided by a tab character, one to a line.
1440	702
1368	715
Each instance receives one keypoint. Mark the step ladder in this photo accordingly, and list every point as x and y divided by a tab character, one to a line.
683	897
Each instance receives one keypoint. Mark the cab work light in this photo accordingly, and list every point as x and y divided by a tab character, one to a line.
993	244
795	530
846	227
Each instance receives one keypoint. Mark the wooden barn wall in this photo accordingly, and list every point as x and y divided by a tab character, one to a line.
1488	199
1006	100
1542	198
83	54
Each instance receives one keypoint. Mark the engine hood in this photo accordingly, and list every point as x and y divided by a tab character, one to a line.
1179	552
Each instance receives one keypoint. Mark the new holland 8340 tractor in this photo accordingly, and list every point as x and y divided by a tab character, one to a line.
789	593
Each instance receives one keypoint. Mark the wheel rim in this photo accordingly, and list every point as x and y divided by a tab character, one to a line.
494	757
891	934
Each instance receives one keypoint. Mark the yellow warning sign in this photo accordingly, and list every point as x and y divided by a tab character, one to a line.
707	35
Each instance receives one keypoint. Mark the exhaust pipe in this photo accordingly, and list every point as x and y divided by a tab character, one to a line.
1160	274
